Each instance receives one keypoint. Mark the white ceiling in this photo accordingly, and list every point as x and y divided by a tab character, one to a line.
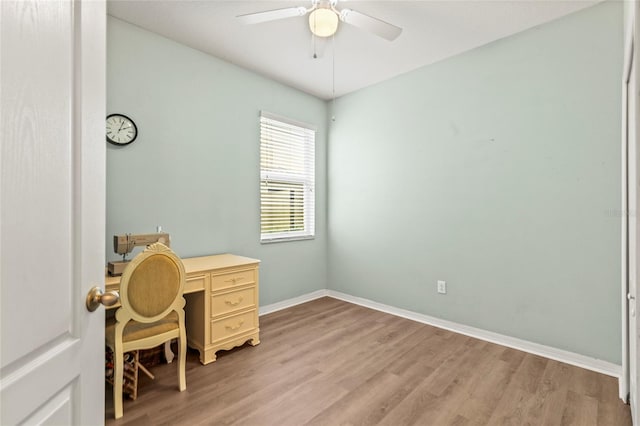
282	50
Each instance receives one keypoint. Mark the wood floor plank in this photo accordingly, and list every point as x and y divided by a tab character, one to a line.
355	406
529	373
610	414
329	362
520	392
580	410
434	398
486	395
421	353
513	357
314	396
546	407
420	402
486	386
467	376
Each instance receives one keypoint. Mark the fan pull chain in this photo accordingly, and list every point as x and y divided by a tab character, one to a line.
333	76
314	45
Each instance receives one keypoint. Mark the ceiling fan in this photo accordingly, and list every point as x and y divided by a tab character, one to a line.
324	17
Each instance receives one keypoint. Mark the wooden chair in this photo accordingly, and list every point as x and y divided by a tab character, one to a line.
151	312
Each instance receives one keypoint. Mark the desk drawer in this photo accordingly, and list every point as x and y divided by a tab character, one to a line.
233	325
195	283
233	279
233	301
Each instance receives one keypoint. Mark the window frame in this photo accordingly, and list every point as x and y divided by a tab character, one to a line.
306	179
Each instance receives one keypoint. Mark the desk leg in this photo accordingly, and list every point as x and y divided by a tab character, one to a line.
207	356
168	353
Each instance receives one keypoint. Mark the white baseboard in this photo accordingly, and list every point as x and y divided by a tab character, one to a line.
567	357
267	309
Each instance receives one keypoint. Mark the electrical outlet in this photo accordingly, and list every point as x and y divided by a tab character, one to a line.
442	287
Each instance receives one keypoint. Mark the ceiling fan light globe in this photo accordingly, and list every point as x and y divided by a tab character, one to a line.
323	22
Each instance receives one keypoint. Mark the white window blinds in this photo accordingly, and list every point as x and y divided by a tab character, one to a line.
287	179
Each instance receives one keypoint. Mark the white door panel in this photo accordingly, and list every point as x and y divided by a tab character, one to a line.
36	105
52	179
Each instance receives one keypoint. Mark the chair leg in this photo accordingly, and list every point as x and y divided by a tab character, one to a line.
118	373
182	362
168	353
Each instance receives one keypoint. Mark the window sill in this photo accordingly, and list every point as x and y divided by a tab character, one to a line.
284	239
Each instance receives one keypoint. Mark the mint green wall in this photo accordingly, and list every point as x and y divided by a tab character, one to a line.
194	169
497	170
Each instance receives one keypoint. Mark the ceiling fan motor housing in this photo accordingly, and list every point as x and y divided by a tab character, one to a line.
323	22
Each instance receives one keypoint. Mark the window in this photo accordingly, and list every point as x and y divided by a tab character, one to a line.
287	179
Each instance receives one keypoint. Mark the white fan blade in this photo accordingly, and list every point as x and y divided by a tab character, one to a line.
371	24
272	15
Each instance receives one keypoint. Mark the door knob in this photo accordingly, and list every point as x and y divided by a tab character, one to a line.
97	297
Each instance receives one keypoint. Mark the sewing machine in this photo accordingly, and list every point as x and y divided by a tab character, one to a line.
124	244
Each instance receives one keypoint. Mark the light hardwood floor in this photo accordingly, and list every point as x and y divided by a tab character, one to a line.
329	362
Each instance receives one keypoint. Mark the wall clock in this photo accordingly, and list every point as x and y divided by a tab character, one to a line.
121	130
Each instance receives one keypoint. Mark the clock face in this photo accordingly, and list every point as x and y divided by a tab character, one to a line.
121	130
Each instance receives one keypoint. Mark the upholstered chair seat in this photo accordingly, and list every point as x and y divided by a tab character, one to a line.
135	330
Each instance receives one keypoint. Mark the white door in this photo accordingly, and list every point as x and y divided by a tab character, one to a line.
52	212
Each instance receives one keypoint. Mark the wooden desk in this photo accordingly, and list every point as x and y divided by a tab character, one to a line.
222	302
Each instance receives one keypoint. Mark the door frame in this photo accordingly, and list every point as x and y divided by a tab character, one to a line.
627	165
624	228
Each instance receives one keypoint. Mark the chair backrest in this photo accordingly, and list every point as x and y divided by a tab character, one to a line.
152	284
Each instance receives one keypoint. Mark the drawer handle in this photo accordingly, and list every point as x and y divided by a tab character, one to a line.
229	302
235	327
233	280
